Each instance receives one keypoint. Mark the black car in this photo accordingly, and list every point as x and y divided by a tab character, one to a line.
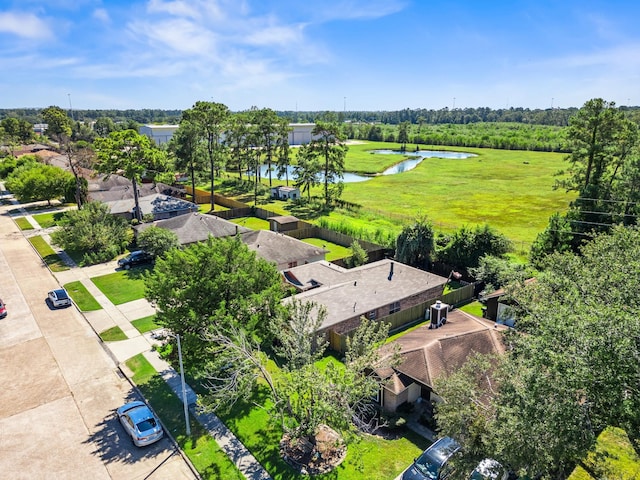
432	464
139	257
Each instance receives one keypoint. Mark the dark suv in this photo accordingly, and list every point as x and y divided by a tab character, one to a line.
432	464
134	259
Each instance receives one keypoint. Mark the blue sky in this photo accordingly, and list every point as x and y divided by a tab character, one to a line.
318	54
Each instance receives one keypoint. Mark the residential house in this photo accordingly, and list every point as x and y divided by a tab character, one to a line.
286	252
428	353
196	227
374	290
283	192
158	205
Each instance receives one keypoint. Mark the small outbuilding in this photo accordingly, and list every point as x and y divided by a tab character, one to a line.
285	193
283	223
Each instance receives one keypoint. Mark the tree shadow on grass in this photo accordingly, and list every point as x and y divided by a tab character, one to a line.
307	211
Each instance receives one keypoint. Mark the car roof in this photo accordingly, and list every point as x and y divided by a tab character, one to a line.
137	411
60	293
441	450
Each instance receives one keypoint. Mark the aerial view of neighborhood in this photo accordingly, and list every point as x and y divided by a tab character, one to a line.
353	240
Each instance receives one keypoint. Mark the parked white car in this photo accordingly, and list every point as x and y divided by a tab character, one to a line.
59	298
140	423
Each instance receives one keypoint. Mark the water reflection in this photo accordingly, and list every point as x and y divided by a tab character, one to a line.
400	167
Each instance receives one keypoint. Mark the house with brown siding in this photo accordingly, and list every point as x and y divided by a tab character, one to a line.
374	290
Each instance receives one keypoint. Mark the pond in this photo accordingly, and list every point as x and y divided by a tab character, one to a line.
417	158
400	167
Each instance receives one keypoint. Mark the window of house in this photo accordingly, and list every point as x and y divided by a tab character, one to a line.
372	315
394	307
293	264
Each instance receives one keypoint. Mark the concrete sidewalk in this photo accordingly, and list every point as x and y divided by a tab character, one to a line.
136	343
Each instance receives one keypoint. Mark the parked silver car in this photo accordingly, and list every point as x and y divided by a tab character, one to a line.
59	298
140	423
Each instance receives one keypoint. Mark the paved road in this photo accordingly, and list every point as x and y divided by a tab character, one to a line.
60	387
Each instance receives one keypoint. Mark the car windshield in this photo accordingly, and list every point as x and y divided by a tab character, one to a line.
61	294
148	424
428	465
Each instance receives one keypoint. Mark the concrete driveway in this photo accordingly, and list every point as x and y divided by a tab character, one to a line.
59	386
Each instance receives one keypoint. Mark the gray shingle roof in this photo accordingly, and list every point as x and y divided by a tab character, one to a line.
196	227
354	292
152	204
280	249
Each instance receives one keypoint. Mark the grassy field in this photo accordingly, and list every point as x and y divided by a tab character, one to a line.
50	219
335	251
81	297
253	223
122	286
613	457
50	257
145	324
510	190
113	334
23	223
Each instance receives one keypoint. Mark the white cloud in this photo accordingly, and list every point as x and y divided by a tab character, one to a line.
25	25
359	9
176	36
277	35
102	15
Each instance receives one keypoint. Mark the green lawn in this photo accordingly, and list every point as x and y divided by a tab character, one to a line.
335	251
50	257
81	297
370	458
613	457
205	454
510	190
474	308
145	324
122	286
46	220
253	223
23	223
113	334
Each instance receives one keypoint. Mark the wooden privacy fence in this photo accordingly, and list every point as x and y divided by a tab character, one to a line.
203	196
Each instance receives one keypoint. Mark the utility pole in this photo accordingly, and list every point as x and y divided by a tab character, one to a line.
70	107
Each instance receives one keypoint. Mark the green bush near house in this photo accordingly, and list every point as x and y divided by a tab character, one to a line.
122	286
81	297
50	257
23	223
145	324
113	334
203	451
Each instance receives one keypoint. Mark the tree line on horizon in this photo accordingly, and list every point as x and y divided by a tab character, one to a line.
418	116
